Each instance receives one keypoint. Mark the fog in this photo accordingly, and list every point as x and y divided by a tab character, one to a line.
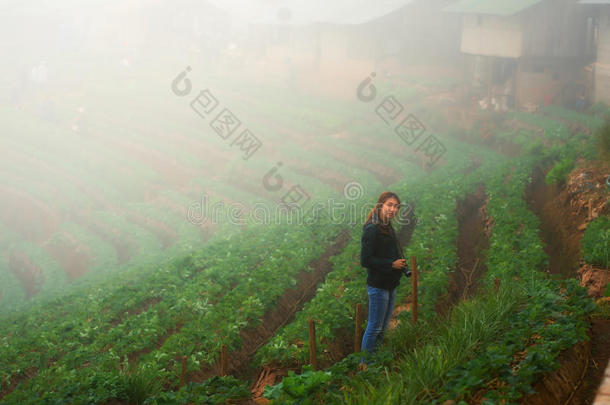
136	131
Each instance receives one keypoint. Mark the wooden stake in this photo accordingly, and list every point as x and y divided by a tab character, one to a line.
312	344
357	334
183	371
497	284
223	360
414	280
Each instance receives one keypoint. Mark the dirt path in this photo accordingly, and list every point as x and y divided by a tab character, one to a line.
473	238
600	353
559	225
73	256
29	275
562	224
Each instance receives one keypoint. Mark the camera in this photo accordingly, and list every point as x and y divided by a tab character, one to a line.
406	271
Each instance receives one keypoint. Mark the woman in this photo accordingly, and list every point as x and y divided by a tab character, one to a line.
382	256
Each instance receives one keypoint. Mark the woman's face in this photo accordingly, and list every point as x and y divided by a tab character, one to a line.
389	209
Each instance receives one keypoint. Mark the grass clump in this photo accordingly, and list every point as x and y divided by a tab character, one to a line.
140	384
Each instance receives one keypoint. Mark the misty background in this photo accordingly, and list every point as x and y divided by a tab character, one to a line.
121	120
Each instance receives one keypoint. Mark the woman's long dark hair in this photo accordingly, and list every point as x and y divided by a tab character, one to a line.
374	213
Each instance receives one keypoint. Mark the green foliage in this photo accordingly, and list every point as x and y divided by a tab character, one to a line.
299	387
553	129
185	304
590	121
603	136
542	318
140	384
326	386
559	173
76	342
408	370
216	390
599	109
540	331
595	244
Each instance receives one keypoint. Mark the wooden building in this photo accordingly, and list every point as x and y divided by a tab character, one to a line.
526	53
599	10
334	45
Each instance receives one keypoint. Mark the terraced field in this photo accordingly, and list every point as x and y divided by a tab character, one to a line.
120	283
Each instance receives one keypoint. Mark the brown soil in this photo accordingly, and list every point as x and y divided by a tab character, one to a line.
594	279
30	275
15	381
74	257
557	387
559	224
124	245
339	347
473	231
33	219
564	214
288	304
600	353
268	376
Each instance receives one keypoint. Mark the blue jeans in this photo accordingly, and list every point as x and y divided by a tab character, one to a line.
381	305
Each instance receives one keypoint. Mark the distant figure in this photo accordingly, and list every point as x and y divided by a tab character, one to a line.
39	73
580	103
381	255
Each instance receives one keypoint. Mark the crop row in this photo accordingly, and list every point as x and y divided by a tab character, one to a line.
539	318
433	244
552	316
180	315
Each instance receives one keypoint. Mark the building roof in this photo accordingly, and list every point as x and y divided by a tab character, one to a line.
306	12
491	7
594	2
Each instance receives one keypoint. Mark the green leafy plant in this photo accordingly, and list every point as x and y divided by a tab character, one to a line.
599	109
603	136
298	386
559	173
596	242
216	390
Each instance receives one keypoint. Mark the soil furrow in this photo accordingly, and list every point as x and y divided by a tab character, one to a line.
473	239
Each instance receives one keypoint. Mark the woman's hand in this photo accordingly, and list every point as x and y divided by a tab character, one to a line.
399	264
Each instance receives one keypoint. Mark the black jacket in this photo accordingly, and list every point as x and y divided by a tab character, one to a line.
378	253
